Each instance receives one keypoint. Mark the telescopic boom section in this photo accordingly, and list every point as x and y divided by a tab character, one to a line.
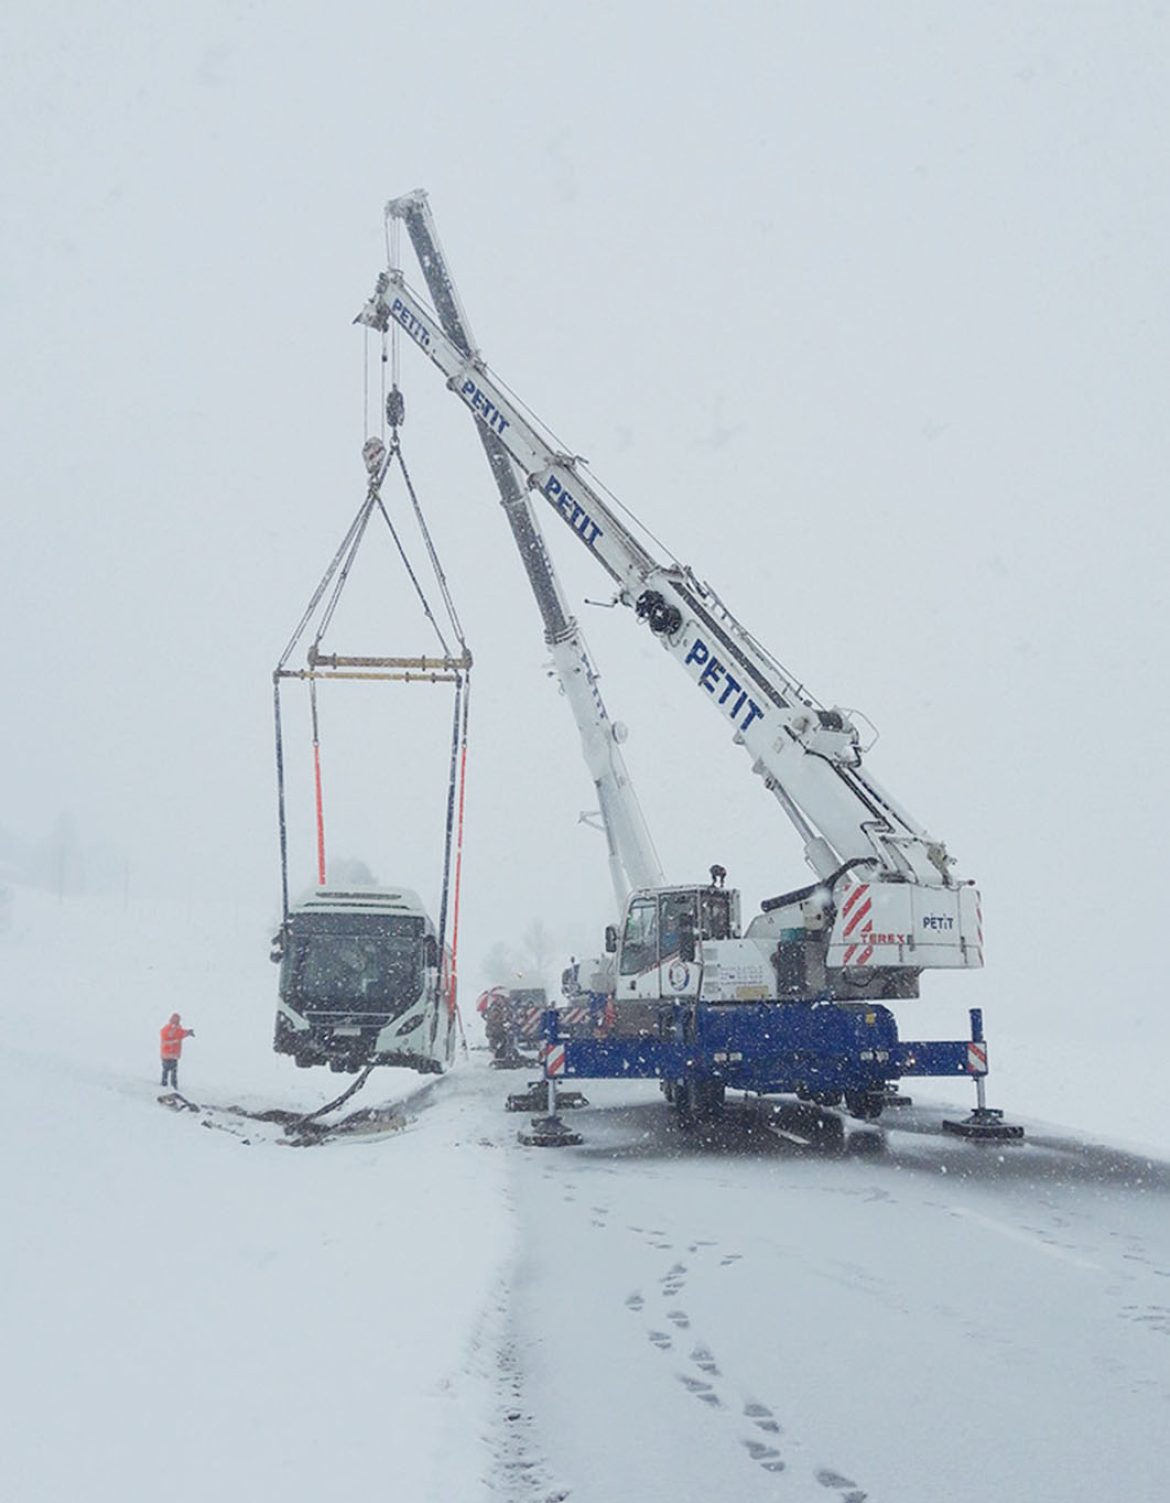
633	861
809	756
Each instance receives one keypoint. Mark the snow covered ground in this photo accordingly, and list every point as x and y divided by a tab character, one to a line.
440	1314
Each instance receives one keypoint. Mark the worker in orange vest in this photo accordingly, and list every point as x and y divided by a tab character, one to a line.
171	1036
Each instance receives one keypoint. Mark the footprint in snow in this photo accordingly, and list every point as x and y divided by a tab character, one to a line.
768	1456
849	1490
700	1390
634	1302
763	1418
661	1340
679	1318
704	1361
1153	1317
732	1257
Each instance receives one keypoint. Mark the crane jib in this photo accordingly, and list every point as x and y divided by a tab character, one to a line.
413	325
571	509
715	676
486	408
483	406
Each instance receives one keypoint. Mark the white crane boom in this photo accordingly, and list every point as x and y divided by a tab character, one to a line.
904	908
633	861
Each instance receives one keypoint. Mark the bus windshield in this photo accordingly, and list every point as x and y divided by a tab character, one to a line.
366	973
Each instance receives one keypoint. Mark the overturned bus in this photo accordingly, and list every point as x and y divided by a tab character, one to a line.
361	982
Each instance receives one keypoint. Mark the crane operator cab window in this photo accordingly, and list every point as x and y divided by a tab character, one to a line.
640	939
671	926
677	918
715	914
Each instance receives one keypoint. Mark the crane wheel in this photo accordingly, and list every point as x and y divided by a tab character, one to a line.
866	1106
699	1100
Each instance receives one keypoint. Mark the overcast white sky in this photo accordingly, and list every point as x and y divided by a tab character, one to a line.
861	307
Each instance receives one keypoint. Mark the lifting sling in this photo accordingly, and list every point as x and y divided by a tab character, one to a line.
449	666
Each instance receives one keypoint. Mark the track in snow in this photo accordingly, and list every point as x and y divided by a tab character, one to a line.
916	1317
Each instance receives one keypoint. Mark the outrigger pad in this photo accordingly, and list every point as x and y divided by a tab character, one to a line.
549	1132
986	1125
536	1096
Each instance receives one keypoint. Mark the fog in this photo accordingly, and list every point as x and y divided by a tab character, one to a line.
862	309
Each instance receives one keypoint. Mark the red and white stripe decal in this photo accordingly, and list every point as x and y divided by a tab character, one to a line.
575	1015
554	1059
976	1058
855	913
530	1023
855	908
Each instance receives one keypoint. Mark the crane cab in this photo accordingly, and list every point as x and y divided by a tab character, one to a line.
663	947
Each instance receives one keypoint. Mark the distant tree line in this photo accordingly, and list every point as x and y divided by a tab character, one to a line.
62	862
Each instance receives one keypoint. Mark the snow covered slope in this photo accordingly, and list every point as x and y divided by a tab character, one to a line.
439	1314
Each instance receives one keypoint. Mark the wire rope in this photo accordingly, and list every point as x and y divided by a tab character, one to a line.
361	521
452	1004
321	588
440	577
423	601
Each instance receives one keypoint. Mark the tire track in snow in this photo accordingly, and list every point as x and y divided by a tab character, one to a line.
519	1470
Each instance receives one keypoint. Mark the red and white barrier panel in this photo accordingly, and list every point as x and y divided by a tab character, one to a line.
554	1059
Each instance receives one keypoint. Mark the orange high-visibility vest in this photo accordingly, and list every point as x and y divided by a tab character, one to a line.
172	1036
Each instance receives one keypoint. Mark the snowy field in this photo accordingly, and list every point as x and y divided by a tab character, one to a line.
440	1314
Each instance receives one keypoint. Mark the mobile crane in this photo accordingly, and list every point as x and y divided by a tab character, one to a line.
794	1003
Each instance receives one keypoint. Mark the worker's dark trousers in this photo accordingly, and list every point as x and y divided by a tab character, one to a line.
171	1072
